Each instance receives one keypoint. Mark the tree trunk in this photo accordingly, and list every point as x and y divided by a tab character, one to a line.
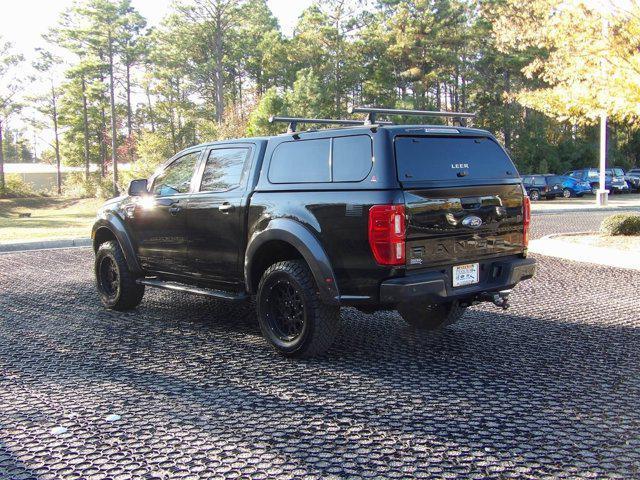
2	181
114	146
172	126
129	127
85	126
101	142
218	70
54	104
180	99
507	112
151	115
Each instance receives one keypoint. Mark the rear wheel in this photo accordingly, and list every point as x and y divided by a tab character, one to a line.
116	284
534	195
566	193
292	317
431	316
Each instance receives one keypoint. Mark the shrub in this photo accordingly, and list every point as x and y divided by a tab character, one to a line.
15	187
77	186
153	150
621	224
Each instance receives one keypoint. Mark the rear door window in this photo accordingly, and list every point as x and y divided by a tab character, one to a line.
302	161
451	158
223	170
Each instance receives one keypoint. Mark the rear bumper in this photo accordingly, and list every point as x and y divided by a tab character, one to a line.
436	286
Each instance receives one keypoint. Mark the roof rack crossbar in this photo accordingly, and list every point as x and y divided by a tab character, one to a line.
294	121
373	112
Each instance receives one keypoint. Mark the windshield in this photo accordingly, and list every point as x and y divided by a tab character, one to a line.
451	158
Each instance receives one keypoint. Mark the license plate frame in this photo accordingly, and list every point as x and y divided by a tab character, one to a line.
466	274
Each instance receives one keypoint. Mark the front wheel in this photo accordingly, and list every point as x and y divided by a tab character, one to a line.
292	317
534	195
431	317
566	193
116	284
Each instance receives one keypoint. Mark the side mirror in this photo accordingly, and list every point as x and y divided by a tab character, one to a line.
138	187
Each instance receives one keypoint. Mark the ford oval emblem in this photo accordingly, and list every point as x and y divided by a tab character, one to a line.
472	221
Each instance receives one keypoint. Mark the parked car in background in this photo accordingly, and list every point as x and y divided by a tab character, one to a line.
538	186
573	187
613	183
633	181
634	174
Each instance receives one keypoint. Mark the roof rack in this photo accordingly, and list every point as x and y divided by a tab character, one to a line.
373	112
294	121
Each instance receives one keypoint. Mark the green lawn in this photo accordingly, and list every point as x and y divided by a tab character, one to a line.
51	218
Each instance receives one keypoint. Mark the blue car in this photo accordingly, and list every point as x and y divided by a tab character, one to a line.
613	183
574	187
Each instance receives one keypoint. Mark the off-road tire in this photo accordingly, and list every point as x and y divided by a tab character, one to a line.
320	321
128	293
431	317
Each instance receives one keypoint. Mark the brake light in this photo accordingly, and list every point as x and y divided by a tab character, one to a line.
387	234
526	219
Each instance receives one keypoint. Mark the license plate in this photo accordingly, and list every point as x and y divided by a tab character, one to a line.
465	274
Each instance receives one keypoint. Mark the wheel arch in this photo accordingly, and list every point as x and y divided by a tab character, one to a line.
112	228
286	239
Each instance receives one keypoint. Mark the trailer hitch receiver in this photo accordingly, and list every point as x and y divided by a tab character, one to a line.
499	299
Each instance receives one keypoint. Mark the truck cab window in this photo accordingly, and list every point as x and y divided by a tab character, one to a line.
176	178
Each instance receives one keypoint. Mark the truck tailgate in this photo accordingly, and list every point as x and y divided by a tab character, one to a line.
453	225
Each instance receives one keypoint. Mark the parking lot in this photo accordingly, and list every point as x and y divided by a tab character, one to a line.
549	388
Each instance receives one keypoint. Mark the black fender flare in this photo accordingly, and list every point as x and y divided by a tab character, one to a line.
301	238
115	225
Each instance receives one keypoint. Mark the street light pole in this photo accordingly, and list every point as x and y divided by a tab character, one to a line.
602	197
603	193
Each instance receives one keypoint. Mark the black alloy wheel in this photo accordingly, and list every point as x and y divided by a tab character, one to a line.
109	277
285	311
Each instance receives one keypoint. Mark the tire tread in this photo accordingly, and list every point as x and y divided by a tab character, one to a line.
131	293
325	317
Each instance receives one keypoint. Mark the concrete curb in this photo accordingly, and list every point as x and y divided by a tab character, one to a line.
45	245
554	246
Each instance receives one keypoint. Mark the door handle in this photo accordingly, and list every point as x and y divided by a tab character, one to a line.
226	207
175	210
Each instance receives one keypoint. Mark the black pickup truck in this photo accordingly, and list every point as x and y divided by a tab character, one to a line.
426	220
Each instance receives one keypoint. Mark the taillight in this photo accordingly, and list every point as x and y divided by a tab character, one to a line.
526	219
387	232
